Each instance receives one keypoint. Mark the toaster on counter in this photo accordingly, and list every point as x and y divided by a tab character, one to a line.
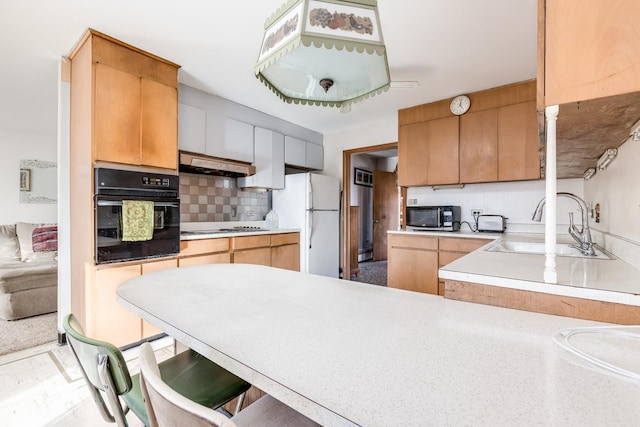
492	223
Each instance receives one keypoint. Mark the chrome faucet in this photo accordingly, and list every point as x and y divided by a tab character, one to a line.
581	235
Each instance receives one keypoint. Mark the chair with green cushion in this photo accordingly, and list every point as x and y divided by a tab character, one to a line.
168	408
189	373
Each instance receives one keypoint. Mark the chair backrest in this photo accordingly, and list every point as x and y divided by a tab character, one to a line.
87	351
165	406
103	367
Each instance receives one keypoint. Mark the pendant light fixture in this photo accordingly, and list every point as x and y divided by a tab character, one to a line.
328	53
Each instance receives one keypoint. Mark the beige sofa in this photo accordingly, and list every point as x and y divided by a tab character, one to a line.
28	270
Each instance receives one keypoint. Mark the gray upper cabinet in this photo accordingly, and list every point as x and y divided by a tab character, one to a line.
268	160
295	151
315	156
303	154
238	141
192	128
217	127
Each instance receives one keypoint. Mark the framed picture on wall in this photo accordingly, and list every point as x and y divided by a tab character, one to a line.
363	177
25	179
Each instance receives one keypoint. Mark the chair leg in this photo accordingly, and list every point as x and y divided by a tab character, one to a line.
239	403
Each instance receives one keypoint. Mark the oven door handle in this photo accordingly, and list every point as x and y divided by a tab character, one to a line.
119	203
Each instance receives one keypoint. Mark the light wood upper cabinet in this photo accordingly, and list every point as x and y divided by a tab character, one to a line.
158	125
129	103
587	51
479	146
117	112
496	140
428	152
518	142
412	157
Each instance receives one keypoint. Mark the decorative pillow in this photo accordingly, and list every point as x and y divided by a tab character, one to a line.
45	239
9	249
24	230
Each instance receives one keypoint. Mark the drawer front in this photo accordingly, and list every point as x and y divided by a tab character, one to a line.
222	258
247	242
285	239
260	256
203	246
461	244
412	242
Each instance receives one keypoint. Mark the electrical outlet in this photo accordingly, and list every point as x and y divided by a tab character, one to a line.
412	201
476	212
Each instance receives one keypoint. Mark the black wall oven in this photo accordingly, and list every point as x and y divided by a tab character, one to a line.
112	187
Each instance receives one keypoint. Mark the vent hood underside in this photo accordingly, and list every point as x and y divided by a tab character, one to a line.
201	164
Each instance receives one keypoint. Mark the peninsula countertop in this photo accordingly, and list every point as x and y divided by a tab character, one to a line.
347	353
611	280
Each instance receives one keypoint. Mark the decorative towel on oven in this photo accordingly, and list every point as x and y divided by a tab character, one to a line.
137	220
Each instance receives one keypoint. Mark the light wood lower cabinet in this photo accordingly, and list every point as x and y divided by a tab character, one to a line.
109	321
148	330
204	251
280	250
414	260
538	302
285	251
413	263
251	250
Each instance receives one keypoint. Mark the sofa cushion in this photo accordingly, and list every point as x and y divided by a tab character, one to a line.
24	230
9	249
20	276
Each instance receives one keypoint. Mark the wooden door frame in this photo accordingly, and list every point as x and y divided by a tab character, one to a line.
346	200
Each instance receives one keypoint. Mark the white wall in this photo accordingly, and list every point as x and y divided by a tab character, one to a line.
514	200
377	133
24	145
617	190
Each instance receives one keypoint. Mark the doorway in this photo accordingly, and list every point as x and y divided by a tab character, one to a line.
370	206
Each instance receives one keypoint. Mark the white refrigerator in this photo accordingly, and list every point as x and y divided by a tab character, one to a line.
311	203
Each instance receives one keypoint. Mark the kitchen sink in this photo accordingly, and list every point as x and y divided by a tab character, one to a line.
562	249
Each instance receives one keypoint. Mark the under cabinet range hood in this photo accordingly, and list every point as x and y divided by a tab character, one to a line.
199	163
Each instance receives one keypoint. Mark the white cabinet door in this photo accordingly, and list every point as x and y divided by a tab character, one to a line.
295	152
238	141
315	156
191	128
268	160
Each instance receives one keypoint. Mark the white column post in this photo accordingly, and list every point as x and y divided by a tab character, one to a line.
550	273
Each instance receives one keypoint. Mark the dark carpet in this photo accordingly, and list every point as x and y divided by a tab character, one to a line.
373	272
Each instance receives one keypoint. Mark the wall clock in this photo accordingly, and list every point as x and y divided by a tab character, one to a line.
460	105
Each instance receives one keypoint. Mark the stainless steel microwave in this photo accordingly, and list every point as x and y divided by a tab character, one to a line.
436	218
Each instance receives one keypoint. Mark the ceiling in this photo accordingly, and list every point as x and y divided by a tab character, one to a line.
448	47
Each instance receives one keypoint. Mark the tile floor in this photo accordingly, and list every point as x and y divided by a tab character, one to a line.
43	386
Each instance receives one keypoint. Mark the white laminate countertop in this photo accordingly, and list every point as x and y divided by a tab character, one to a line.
352	354
598	279
217	234
457	234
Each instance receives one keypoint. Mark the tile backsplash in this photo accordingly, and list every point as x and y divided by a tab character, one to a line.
215	198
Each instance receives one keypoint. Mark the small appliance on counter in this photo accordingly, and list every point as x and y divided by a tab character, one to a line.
434	218
492	223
